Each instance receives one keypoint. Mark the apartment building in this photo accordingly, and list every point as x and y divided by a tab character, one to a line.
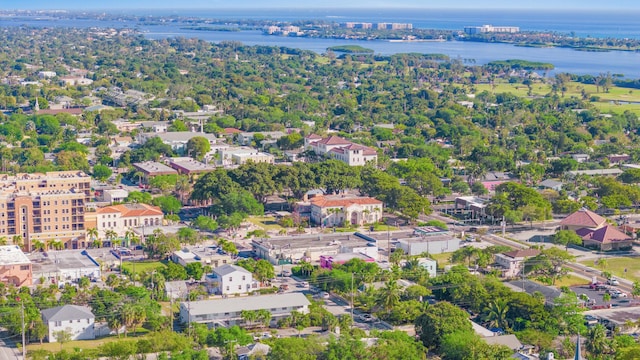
40	207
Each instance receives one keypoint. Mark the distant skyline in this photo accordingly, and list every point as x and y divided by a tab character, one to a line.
584	5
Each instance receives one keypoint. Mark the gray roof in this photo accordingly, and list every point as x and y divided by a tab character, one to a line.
550	183
511	341
67	312
227	269
252	303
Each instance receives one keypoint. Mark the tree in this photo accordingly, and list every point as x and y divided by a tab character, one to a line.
440	320
389	295
168	204
187	236
496	313
566	238
294	348
467	346
139	197
596	342
198	147
101	172
39	330
264	271
62	336
195	270
205	223
549	265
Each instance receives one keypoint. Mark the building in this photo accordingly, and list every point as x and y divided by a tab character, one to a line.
511	262
336	210
341	149
75	80
15	267
583	218
327	261
121	218
428	239
61	267
78	321
228	312
551	184
231	279
596	172
473	207
253	351
150	169
246	138
189	166
176	289
430	265
605	238
176	139
207	256
472	30
39	207
114	195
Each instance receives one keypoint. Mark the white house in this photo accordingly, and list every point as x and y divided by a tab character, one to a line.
511	262
341	149
231	279
228	312
76	320
114	195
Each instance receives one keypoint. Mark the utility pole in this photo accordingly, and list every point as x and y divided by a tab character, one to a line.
24	342
171	308
352	318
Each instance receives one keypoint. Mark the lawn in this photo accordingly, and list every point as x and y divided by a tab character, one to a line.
383	227
142	266
617	266
84	344
571	280
267	223
442	259
516	89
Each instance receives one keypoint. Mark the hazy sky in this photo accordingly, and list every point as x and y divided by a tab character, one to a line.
210	4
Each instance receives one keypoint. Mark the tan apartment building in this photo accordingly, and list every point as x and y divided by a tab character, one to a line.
15	267
40	207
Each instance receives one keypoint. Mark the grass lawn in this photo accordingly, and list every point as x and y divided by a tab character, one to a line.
617	265
142	266
442	259
384	227
267	223
85	344
571	280
516	89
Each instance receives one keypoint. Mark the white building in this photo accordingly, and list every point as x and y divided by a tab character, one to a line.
242	155
511	262
76	320
64	266
114	195
341	149
231	279
228	312
121	218
430	265
339	209
429	239
246	138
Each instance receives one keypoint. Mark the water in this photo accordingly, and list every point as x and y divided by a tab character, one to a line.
601	24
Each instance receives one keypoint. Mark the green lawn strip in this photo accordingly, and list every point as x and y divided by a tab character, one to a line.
265	222
617	265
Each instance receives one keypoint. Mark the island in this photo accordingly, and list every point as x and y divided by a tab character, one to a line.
351	49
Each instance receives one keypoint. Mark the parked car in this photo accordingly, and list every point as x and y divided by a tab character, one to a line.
618	294
366	317
597	286
590	320
284	287
613	281
325	295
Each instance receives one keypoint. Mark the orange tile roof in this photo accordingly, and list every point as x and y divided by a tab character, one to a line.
584	218
131	210
334	140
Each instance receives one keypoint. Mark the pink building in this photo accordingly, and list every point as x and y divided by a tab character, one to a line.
15	267
327	261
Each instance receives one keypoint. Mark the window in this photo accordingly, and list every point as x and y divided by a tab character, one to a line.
58	323
230	278
243	278
24	267
239	287
227	288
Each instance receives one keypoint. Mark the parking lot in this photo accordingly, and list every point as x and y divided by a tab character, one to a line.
596	296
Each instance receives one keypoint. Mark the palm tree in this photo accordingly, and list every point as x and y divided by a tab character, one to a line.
110	235
3	240
139	175
17	240
596	342
389	296
38	245
57	244
92	233
182	187
497	313
127	237
249	316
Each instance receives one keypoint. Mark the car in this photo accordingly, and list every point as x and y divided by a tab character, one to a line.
366	317
284	287
613	281
618	294
325	295
590	320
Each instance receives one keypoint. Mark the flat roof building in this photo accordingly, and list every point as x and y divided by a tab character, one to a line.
55	267
153	168
15	267
189	166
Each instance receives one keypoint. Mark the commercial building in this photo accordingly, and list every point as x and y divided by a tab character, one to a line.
231	279
189	166
121	218
327	262
228	312
471	30
150	169
511	262
15	267
429	240
336	210
78	321
341	149
39	207
60	267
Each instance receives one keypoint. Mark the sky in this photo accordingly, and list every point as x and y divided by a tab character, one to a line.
632	5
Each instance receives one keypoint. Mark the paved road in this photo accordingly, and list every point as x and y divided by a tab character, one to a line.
8	350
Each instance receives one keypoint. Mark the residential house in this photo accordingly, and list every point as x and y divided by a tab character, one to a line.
583	218
617	159
430	265
581	158
231	279
551	184
78	321
253	351
176	289
341	149
121	218
15	267
228	312
336	210
512	262
176	139
605	238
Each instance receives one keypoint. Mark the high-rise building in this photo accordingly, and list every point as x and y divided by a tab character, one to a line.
43	207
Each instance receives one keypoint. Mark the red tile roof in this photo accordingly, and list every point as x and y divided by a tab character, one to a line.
603	235
131	210
314	136
232	131
334	140
325	202
584	218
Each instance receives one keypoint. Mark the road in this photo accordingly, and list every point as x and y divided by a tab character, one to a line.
8	350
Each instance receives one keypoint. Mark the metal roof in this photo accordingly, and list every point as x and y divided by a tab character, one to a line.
238	304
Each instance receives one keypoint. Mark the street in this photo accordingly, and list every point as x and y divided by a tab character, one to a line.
8	350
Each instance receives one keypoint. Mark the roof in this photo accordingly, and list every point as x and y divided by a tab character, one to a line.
231	131
257	348
129	210
522	253
332	201
12	255
189	165
334	140
154	167
584	218
250	303
354	147
314	136
550	183
606	234
511	341
227	269
67	312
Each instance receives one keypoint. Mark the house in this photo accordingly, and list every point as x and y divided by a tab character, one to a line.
617	159
231	279
176	289
252	351
15	267
184	257
581	158
76	320
341	149
551	184
189	166
228	312
605	238
472	206
510	341
430	265
336	210
176	139
511	262
121	218
583	218
595	172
